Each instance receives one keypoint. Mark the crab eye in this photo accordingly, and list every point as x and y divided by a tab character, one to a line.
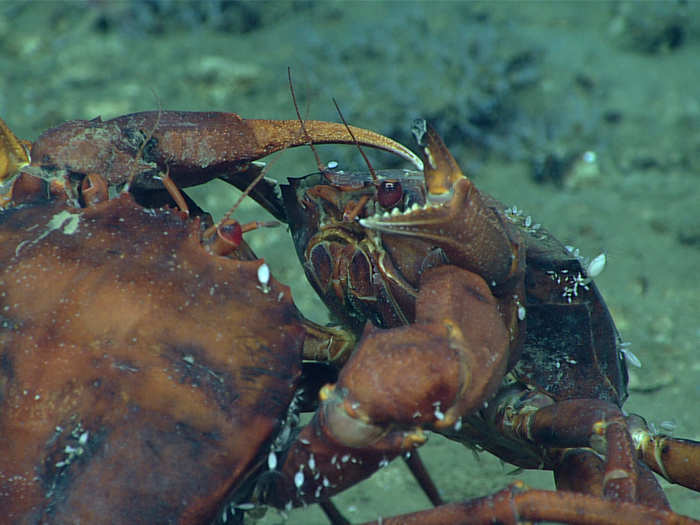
389	192
232	233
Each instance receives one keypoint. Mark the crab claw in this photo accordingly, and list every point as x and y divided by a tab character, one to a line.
400	382
13	152
455	218
440	168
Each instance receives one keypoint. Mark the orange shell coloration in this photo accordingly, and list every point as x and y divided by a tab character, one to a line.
140	377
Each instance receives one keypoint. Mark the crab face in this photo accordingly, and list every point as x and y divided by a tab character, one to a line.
365	242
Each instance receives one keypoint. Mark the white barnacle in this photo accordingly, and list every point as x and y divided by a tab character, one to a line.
595	267
332	165
439	414
521	312
264	278
272	460
629	356
458	424
298	479
264	274
245	506
83	439
312	463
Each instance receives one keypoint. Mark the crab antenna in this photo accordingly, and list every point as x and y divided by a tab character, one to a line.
371	169
320	165
245	193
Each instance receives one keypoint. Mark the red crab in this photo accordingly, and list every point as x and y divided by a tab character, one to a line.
152	370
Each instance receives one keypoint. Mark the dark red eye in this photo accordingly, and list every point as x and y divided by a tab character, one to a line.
231	233
389	192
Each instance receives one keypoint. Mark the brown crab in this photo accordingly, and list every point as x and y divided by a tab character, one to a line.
150	366
147	359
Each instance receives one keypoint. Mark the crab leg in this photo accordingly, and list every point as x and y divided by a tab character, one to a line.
516	504
582	470
587	443
677	460
196	146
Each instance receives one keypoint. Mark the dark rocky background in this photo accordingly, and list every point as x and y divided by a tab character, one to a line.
584	114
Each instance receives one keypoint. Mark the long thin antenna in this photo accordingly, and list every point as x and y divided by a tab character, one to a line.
369	165
242	196
321	166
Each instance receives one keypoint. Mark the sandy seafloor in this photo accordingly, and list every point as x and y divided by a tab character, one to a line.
520	90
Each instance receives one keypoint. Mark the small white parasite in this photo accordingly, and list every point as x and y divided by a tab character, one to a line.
245	506
264	277
596	266
272	460
629	356
298	479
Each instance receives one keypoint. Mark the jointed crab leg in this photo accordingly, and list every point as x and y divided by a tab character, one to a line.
196	146
515	504
677	460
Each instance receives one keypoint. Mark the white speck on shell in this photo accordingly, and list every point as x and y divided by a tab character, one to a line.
629	356
298	479
264	274
596	266
272	460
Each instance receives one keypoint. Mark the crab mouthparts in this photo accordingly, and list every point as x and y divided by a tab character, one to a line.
404	222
